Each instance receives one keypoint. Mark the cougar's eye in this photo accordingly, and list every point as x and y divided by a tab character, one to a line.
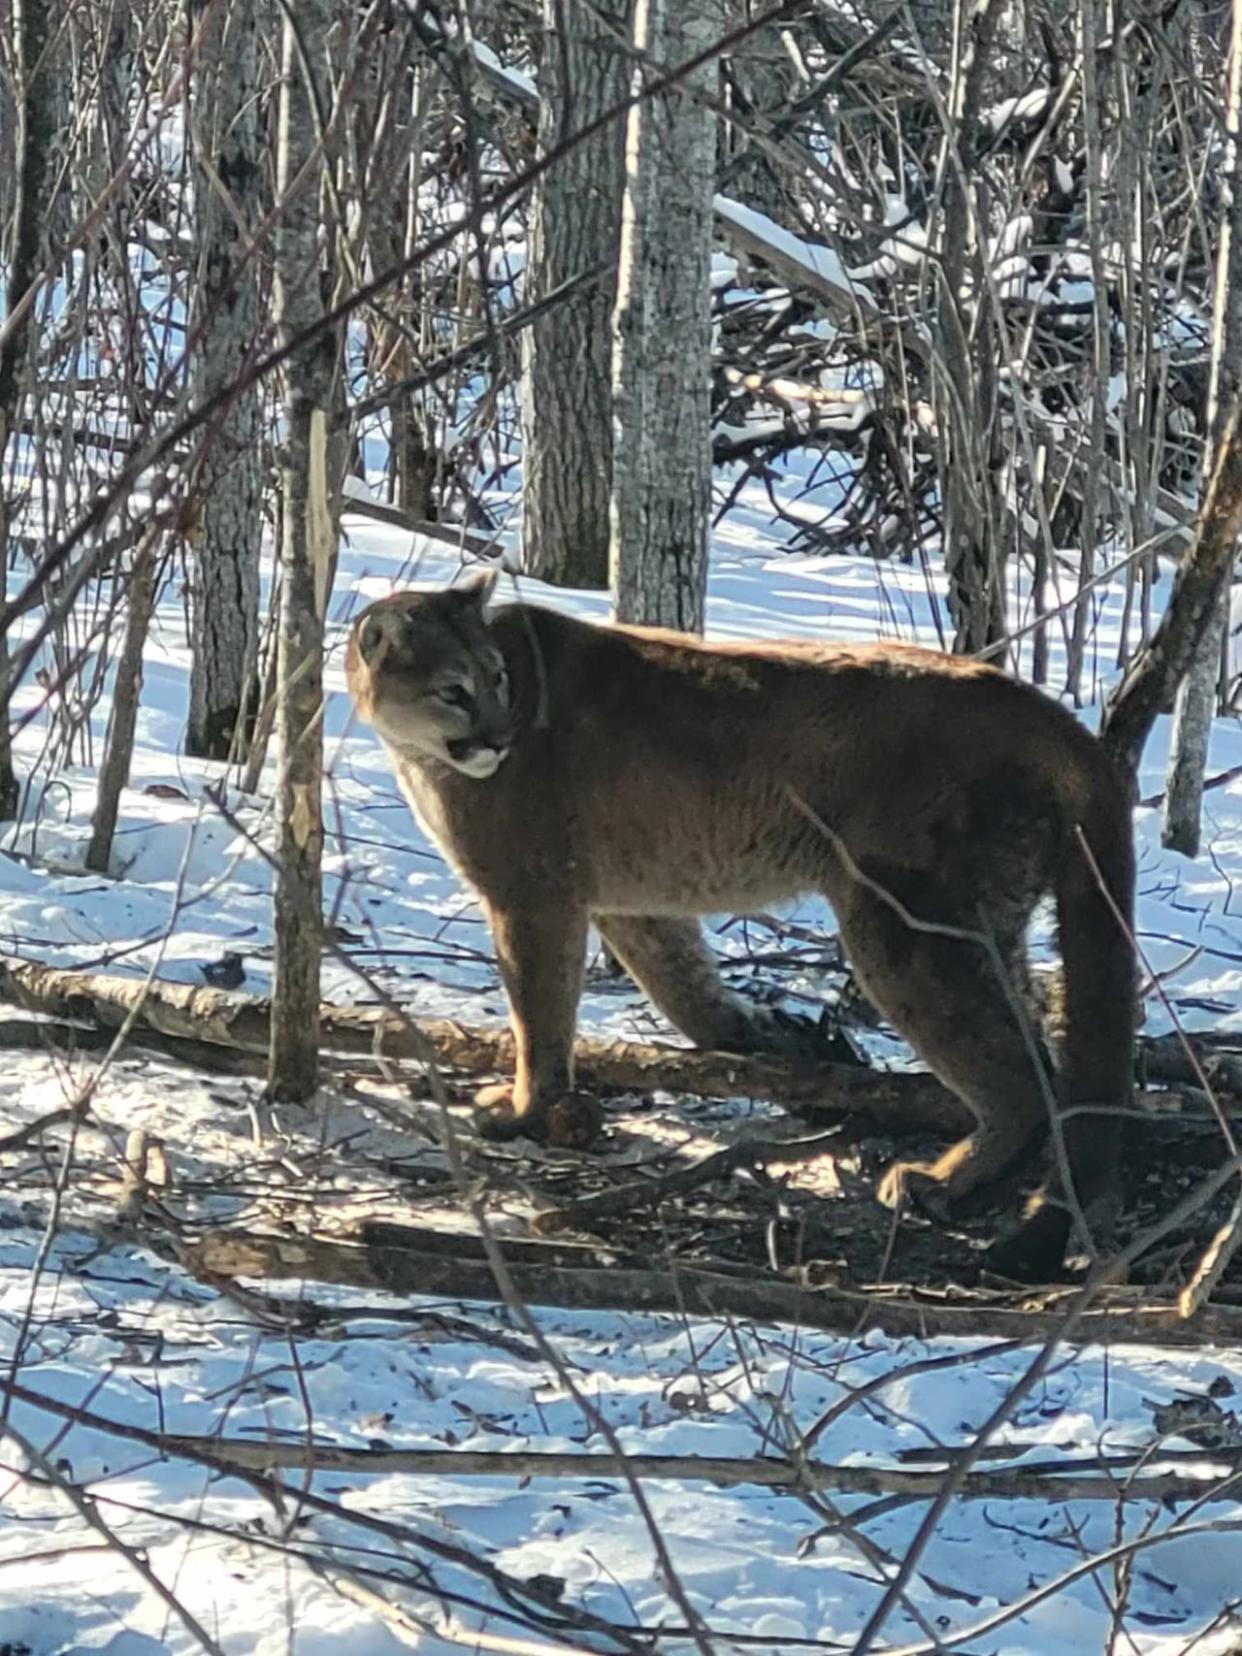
456	695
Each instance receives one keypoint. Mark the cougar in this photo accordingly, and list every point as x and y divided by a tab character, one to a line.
636	779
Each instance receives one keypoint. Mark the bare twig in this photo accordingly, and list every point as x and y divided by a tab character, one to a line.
722	1471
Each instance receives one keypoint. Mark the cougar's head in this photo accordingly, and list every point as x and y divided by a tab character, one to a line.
423	669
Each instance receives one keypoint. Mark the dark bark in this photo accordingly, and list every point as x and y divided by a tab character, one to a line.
566	354
964	378
397	1259
30	26
229	475
1198	589
661	492
1197	693
760	87
127	691
307	542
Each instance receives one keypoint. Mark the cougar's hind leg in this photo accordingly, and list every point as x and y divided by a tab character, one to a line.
541	953
675	968
962	1006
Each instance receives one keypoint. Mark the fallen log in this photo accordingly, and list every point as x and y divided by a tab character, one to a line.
404	1260
200	1018
1110	1478
221	1017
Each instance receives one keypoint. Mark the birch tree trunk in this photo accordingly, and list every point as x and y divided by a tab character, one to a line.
566	354
30	25
307	542
661	487
1196	695
229	485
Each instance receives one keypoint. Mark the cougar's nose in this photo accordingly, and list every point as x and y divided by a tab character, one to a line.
497	729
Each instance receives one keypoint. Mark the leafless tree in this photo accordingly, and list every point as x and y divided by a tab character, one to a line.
227	134
1197	695
306	552
32	174
761	81
662	326
122	724
575	223
388	151
964	381
1184	653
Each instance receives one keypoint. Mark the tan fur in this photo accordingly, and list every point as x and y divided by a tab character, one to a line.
638	779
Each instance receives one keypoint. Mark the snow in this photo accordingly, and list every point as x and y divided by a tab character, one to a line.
1028	108
283	1559
908	246
819	263
751	1561
518	82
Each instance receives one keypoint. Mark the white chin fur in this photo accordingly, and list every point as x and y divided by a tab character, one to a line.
482	763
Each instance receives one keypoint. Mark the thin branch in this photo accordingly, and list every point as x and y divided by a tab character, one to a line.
1111	1482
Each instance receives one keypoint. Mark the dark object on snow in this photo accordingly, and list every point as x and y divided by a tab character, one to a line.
229	972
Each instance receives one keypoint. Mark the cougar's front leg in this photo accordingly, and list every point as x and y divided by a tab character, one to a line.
677	971
541	952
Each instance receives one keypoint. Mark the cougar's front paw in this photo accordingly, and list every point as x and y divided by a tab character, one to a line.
913	1182
571	1122
496	1119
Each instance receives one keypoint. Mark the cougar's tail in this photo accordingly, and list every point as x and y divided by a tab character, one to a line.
1095	913
1095	916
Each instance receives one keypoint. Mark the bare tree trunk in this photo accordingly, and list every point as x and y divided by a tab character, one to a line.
1201	580
1196	695
1138	89
661	491
394	332
307	541
1193	711
760	85
566	354
964	385
229	484
109	61
1095	391
266	677
127	692
30	35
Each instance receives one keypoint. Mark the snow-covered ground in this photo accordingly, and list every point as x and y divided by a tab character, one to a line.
164	1551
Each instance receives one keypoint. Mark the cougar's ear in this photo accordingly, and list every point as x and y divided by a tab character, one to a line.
476	589
370	635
